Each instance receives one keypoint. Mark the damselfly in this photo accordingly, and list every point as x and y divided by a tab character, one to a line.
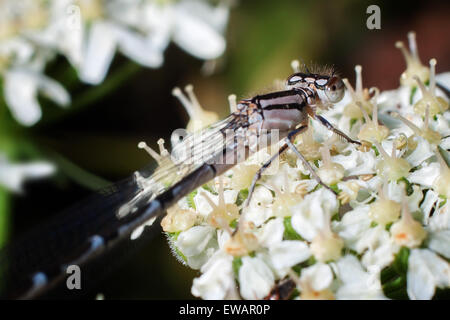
87	233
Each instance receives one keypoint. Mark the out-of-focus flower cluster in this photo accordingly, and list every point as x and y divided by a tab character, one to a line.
384	235
88	33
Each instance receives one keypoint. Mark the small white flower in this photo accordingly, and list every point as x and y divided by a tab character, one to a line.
422	152
377	247
286	254
194	25
353	225
426	271
356	162
440	242
395	192
426	175
313	213
197	244
13	175
21	88
255	278
441	217
259	209
204	208
88	34
271	233
317	277
217	279
355	282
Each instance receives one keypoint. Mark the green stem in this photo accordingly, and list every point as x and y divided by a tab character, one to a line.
4	215
77	174
111	83
70	169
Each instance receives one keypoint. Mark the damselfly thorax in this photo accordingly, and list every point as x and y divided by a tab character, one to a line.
90	231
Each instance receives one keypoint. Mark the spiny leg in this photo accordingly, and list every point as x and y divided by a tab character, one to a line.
329	126
258	174
267	164
308	165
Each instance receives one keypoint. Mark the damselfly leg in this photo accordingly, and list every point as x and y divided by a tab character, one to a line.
289	144
329	126
308	165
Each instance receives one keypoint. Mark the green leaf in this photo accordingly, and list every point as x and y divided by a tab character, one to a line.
393	277
401	261
289	232
236	265
335	188
352	122
173	235
241	197
377	153
399	294
209	189
442	203
294	294
298	267
408	186
336	217
304	176
411	95
394	285
190	199
387	274
316	163
388	226
234	223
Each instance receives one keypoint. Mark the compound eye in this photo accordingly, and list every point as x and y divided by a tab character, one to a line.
295	80
335	89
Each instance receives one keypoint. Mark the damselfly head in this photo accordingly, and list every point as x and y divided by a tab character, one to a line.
330	88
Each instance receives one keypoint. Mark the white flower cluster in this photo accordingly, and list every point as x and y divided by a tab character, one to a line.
88	33
385	235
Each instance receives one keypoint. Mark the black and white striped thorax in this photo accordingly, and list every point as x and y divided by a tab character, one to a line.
288	99
281	110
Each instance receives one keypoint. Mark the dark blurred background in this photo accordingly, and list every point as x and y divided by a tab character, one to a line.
94	141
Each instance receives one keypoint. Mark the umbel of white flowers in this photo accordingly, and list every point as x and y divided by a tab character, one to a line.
385	235
88	33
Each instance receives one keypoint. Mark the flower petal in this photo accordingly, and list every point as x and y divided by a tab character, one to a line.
21	96
217	278
318	276
288	253
426	271
313	213
440	242
13	175
139	48
255	278
197	244
194	34
98	53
